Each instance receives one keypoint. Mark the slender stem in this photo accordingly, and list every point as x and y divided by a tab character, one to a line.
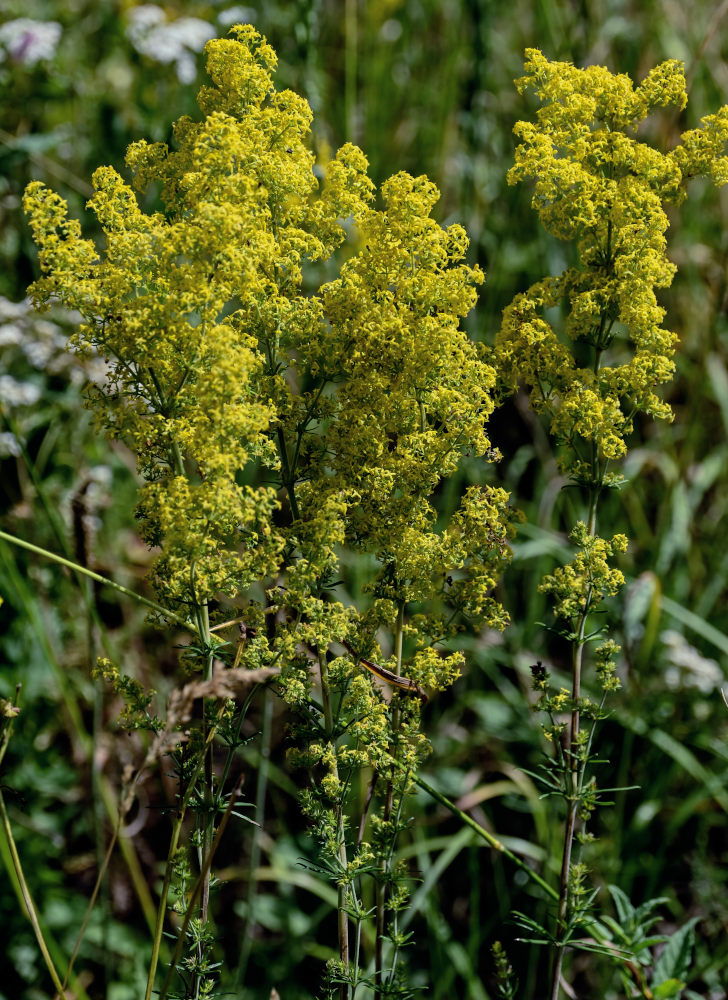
485	835
575	772
30	908
350	80
162	908
260	794
92	901
206	821
174	841
32	916
385	865
395	915
287	474
303	426
127	799
77	568
357	945
574	760
343	918
202	878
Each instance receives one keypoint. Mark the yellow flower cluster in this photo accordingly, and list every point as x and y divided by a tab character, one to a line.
596	183
414	397
276	427
578	587
180	301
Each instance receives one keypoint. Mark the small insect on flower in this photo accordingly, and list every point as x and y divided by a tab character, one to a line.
405	684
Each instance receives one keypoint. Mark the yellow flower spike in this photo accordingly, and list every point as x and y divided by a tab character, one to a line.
596	183
188	390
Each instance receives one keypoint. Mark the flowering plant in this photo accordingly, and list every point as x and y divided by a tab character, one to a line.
592	367
276	429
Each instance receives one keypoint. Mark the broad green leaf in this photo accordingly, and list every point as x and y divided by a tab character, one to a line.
624	908
670	988
676	955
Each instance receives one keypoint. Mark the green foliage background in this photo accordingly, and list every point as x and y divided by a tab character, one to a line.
426	86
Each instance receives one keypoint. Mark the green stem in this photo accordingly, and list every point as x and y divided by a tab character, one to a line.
30	908
206	822
575	774
350	81
303	426
357	946
260	794
288	480
202	879
77	568
343	919
395	915
485	835
162	907
385	865
176	828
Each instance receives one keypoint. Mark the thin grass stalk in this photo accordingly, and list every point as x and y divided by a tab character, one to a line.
27	898
69	564
105	793
488	837
126	804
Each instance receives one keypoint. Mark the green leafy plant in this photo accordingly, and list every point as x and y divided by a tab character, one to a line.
273	429
287	364
599	185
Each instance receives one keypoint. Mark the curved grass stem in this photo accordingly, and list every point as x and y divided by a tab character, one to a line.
77	568
28	900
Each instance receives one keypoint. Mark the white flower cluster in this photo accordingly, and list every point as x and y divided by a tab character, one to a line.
165	41
685	667
235	15
33	349
28	42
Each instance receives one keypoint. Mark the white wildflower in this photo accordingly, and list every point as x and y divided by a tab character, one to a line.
29	42
686	667
9	445
14	393
236	15
10	334
165	41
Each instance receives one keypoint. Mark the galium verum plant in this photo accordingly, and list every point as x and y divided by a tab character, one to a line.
591	348
275	429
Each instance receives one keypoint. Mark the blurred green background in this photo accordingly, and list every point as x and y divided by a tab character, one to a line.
425	86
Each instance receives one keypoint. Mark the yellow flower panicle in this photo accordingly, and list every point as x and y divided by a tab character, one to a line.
588	578
184	303
414	398
597	184
357	401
